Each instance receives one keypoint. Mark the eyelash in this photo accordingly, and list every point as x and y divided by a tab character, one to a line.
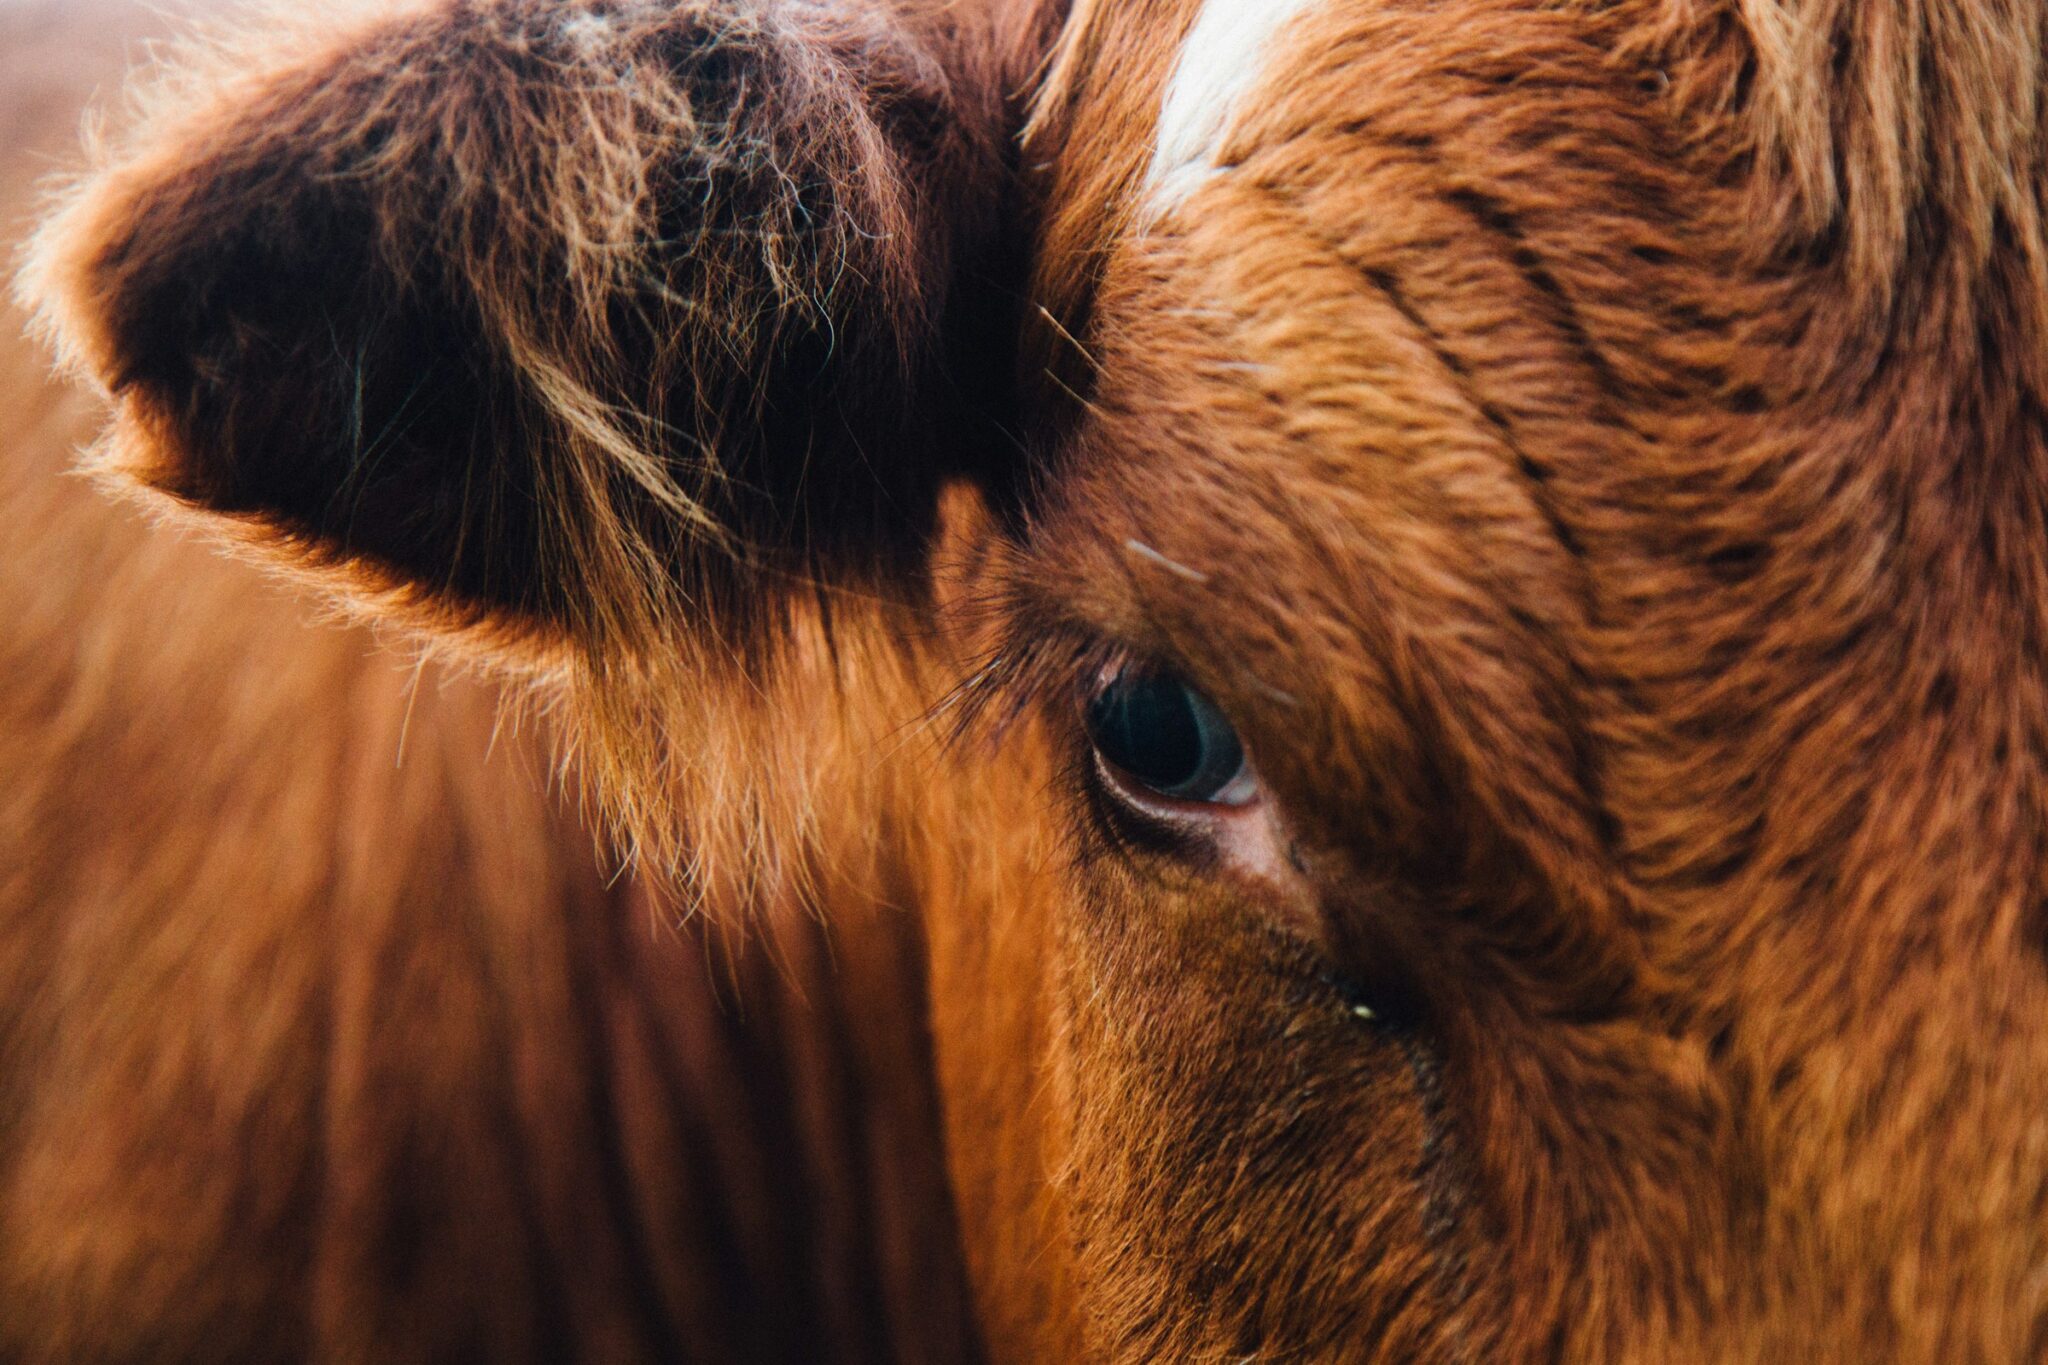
1047	671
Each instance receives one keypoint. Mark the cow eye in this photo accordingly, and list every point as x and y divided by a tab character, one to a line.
1157	732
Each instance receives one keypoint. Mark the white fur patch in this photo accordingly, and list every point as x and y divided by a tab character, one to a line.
1220	63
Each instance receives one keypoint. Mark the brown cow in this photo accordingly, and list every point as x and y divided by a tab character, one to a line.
1484	564
324	1034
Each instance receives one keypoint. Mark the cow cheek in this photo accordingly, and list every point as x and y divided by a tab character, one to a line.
1235	1125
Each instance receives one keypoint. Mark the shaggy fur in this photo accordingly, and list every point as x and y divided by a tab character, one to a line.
1594	452
325	1034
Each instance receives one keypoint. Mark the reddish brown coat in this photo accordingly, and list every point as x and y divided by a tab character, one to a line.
1592	452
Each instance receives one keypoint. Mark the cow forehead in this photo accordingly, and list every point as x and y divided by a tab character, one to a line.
1225	58
1492	206
1317	320
1345	538
1220	198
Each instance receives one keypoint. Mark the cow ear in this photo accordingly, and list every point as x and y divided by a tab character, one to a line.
552	316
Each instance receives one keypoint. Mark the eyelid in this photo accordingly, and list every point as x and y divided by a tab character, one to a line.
1244	791
1250	841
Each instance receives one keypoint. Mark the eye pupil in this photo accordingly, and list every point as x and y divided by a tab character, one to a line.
1165	735
1147	727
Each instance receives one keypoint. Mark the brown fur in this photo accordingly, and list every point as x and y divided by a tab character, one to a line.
1593	452
324	1031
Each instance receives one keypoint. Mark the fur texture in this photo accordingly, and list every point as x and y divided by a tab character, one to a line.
1593	453
325	1031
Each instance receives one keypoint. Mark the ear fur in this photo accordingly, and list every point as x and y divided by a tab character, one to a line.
553	317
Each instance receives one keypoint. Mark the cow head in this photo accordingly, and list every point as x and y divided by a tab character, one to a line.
1484	564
